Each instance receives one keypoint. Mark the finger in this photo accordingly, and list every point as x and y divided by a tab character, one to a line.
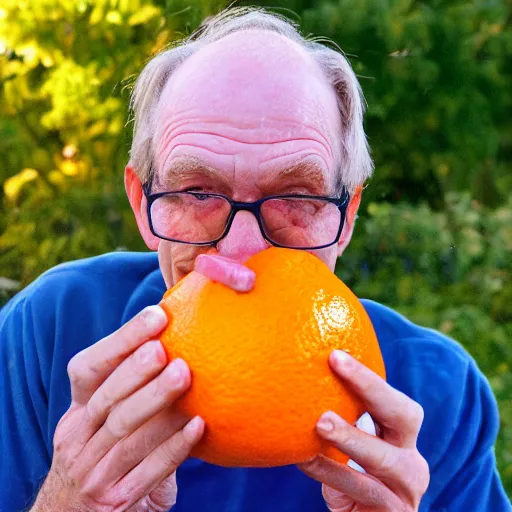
365	490
163	497
366	424
88	369
133	373
376	456
337	501
225	271
161	462
132	450
399	416
135	410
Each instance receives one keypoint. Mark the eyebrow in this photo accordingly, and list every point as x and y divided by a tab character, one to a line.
306	171
192	167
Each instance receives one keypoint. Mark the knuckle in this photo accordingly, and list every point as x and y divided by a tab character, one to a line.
76	369
170	455
420	474
414	414
94	409
343	433
389	460
118	425
146	357
415	474
59	446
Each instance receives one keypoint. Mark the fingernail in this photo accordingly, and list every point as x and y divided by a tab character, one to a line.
191	428
175	372
366	424
154	317
147	352
325	425
354	465
244	280
340	358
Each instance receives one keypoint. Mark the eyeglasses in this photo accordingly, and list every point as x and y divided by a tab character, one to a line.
292	221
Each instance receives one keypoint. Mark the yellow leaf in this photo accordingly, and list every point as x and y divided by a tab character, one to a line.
56	177
96	15
143	15
114	18
69	168
96	129
30	53
14	184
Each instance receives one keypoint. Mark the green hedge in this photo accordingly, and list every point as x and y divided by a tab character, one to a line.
450	271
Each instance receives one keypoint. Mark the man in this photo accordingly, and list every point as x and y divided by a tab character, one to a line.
244	111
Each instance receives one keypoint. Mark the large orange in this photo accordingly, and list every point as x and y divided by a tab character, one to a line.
259	360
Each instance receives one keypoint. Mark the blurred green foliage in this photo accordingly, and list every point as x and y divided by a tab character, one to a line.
434	239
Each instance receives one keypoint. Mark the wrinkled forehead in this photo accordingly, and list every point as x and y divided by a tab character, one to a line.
255	84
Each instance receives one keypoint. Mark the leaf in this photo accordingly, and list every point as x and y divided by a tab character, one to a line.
114	18
143	15
14	184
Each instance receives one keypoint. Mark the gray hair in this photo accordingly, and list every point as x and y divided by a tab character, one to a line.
355	165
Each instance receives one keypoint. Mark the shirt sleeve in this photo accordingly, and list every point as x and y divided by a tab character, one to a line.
25	459
467	470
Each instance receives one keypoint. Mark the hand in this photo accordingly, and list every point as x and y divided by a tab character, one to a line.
397	475
120	442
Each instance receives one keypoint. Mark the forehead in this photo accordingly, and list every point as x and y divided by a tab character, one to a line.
252	94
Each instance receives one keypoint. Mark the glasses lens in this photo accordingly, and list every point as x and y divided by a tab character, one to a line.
190	217
297	222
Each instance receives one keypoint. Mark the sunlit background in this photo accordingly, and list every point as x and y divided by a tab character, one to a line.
434	237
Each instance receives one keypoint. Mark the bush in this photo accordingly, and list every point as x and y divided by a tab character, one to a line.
450	271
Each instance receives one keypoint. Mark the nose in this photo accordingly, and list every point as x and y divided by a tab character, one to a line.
244	238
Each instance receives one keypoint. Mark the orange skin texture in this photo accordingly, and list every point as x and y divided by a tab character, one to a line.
259	360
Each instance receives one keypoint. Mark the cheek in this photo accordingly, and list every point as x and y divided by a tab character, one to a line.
328	255
177	260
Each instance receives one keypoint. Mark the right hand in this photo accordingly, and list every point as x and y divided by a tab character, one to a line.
120	442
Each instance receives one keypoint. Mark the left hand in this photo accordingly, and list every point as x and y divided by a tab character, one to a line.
397	475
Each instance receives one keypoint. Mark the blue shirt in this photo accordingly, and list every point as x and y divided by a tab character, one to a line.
76	304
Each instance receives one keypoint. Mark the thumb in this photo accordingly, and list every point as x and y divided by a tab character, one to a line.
336	501
226	271
161	499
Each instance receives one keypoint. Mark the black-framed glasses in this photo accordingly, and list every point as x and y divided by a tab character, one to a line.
293	221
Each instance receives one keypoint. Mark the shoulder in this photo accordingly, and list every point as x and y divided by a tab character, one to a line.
67	309
103	277
127	268
420	348
75	304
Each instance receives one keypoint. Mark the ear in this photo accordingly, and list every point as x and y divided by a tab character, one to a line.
138	203
350	220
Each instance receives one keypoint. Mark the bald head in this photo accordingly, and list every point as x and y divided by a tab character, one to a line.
258	87
252	67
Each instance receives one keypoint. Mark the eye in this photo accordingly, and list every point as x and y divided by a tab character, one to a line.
195	192
201	197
